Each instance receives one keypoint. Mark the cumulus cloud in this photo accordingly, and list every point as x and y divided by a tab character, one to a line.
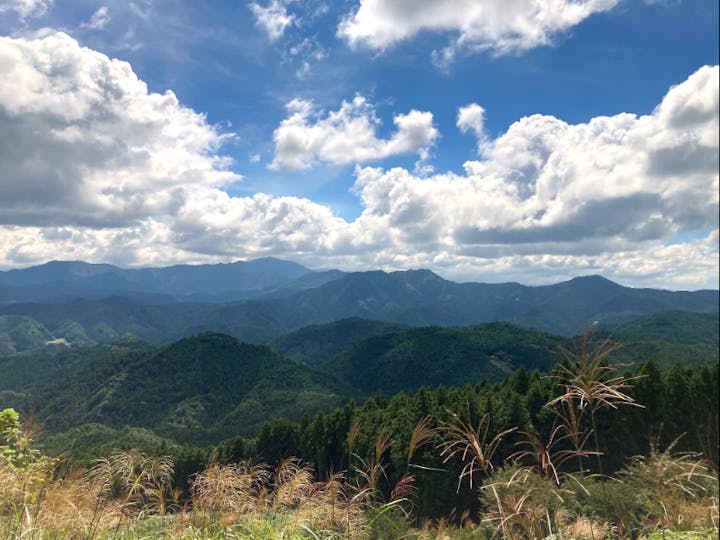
26	8
96	167
495	25
348	135
624	178
273	19
86	143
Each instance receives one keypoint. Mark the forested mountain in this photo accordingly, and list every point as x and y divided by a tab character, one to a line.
677	327
421	297
197	389
430	356
287	297
26	374
667	338
319	343
212	386
18	334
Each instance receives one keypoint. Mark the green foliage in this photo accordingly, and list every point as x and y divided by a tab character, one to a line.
19	334
672	327
409	359
318	344
200	389
15	445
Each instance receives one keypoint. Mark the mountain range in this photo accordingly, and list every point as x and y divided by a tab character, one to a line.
205	388
75	303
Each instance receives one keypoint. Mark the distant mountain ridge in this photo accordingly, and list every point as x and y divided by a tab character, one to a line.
266	298
206	282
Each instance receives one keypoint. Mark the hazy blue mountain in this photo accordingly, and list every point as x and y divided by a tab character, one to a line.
420	297
216	282
415	298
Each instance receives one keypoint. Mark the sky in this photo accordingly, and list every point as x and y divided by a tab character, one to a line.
493	141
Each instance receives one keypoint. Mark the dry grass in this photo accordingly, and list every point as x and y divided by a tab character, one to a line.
235	487
590	384
294	484
547	458
471	444
581	527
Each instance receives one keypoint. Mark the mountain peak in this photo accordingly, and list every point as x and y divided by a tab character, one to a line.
594	279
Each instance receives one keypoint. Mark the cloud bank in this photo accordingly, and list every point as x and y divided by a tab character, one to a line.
496	25
96	167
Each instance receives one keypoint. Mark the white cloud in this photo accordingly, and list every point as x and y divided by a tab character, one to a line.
98	20
615	185
95	167
496	25
622	177
85	142
273	19
348	135
471	118
26	8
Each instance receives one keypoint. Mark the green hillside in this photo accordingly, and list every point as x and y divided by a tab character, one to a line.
205	388
409	359
31	372
668	338
319	343
677	327
19	334
664	354
197	389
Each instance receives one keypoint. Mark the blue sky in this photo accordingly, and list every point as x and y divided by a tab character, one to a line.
288	170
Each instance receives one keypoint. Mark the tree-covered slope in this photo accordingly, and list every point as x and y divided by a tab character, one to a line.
319	343
668	338
211	386
199	388
429	356
30	372
19	334
678	327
